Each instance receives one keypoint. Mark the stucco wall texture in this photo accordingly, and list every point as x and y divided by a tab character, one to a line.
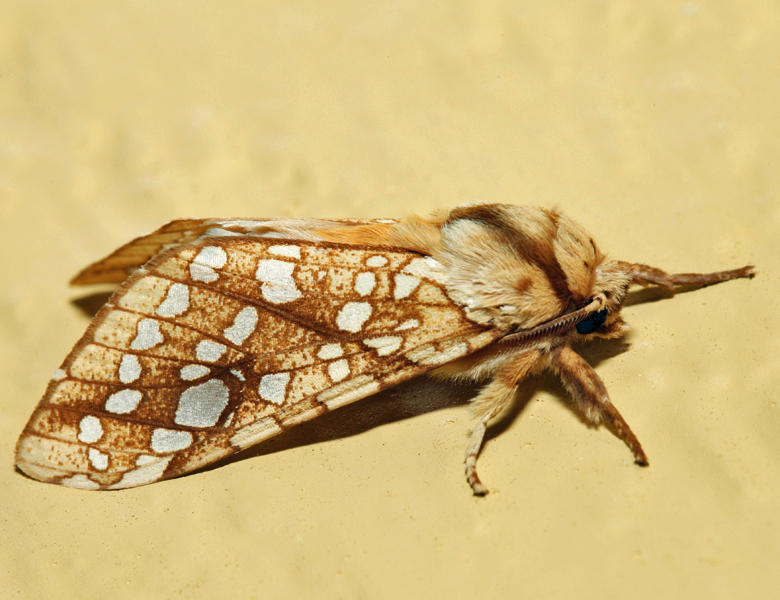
653	124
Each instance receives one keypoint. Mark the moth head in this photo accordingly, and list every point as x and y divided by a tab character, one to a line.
515	267
518	269
610	285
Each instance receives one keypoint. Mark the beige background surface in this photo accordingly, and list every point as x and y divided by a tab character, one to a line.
655	126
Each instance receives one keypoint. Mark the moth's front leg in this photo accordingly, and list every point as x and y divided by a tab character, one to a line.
491	401
590	394
647	275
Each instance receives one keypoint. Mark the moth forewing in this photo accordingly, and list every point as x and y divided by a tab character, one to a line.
221	343
237	329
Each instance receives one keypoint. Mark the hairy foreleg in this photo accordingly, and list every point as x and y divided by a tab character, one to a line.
491	401
590	394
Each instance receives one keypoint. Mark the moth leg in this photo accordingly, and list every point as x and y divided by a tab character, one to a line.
590	394
647	275
498	395
491	401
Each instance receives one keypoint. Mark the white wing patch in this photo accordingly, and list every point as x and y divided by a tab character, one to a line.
148	335
90	429
201	405
177	300
123	401
328	351
129	368
243	325
364	283
289	251
279	287
273	387
192	372
209	351
385	345
353	315
204	265
404	285
98	459
338	370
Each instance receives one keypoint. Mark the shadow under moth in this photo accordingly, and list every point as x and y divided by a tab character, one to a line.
225	332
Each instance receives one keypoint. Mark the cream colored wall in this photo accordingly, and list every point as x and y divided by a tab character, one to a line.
654	124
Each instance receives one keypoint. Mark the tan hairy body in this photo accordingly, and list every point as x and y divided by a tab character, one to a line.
226	332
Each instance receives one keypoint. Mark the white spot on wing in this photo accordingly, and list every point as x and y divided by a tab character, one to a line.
201	405
123	401
338	369
80	481
243	325
147	473
404	285
59	374
90	429
426	267
352	316
144	459
209	351
364	283
348	391
421	354
273	387
376	261
255	432
170	440
203	273
428	355
176	301
278	284
98	459
287	250
203	265
129	368
238	374
410	324
148	335
384	345
191	372
328	351
211	256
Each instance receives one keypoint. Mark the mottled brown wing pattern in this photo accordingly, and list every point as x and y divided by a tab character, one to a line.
218	344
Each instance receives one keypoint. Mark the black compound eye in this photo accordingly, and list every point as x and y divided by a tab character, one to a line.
592	323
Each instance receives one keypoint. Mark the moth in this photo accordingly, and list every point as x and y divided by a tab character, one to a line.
225	332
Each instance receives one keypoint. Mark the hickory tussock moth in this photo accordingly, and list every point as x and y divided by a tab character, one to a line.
224	333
